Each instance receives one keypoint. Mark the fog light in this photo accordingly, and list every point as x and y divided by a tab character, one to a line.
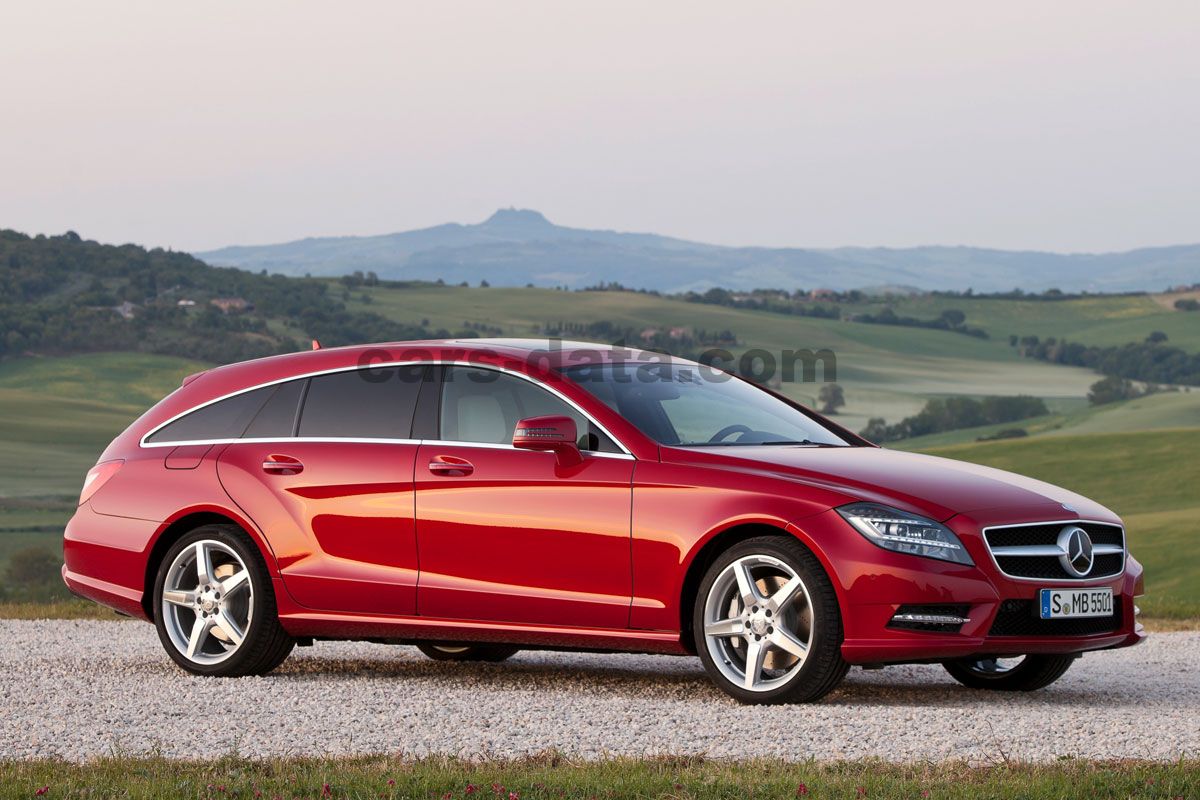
943	618
931	619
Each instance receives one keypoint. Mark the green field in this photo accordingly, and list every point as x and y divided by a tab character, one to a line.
58	414
1099	320
1137	457
550	777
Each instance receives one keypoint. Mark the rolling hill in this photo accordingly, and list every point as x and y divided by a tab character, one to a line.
64	392
515	247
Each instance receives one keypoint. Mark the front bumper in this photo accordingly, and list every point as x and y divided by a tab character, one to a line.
872	584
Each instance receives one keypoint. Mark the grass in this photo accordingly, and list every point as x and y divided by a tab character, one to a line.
136	380
73	608
58	414
551	776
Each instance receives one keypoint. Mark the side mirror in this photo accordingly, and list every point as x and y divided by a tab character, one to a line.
554	433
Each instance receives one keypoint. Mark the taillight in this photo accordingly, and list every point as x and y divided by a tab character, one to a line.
97	476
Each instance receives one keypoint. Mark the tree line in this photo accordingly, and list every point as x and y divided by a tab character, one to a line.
943	414
64	294
1153	360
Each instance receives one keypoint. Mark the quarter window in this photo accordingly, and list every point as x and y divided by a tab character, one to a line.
224	419
373	403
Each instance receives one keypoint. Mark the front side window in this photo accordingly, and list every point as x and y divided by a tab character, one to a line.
484	406
372	403
680	405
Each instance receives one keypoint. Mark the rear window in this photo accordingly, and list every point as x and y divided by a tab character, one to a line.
224	419
373	403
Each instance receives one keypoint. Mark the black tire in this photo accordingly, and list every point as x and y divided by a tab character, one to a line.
266	644
823	668
1033	673
468	652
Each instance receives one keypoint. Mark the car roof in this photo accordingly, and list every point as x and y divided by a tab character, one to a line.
536	353
548	351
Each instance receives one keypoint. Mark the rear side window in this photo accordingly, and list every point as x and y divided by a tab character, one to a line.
277	418
362	404
224	419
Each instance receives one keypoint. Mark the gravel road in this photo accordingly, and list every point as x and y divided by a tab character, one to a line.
80	689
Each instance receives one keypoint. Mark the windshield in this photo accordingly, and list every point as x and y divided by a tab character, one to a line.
690	406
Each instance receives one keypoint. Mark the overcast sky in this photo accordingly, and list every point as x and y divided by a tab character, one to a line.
1051	125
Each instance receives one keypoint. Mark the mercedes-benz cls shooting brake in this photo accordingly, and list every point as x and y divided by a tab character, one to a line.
476	497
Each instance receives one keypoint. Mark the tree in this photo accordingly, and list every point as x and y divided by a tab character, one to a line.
1111	390
1156	336
876	430
832	398
953	317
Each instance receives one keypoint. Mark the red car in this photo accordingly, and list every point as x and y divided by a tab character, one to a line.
475	497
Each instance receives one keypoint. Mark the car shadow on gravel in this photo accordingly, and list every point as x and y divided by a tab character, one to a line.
680	679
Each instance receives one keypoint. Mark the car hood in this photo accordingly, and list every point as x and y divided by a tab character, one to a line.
936	487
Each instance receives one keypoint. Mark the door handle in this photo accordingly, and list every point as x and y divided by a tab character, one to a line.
451	466
282	465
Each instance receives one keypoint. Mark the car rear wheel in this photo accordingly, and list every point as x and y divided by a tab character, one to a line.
1017	674
214	607
468	652
767	625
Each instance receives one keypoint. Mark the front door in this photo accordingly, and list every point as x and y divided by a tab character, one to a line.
508	535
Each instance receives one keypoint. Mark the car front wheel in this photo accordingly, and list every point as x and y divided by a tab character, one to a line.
214	608
767	624
1019	674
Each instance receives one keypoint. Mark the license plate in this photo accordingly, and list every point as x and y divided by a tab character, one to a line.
1074	603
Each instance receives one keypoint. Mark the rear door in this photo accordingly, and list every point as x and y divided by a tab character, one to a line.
509	535
335	494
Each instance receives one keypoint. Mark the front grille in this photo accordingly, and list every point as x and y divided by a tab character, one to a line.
1020	618
1048	567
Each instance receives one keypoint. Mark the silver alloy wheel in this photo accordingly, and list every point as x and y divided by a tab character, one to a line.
758	622
449	650
207	602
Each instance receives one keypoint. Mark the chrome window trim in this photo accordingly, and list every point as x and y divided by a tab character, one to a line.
1098	578
382	365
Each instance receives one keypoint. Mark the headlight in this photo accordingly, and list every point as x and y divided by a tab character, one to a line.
897	530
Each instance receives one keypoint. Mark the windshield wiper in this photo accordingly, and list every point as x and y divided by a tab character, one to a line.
776	443
805	442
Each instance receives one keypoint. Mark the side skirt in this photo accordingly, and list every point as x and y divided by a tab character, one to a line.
321	625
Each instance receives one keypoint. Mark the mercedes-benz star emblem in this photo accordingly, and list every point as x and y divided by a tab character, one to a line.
1076	547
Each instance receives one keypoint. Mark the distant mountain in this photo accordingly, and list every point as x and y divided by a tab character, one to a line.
514	247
